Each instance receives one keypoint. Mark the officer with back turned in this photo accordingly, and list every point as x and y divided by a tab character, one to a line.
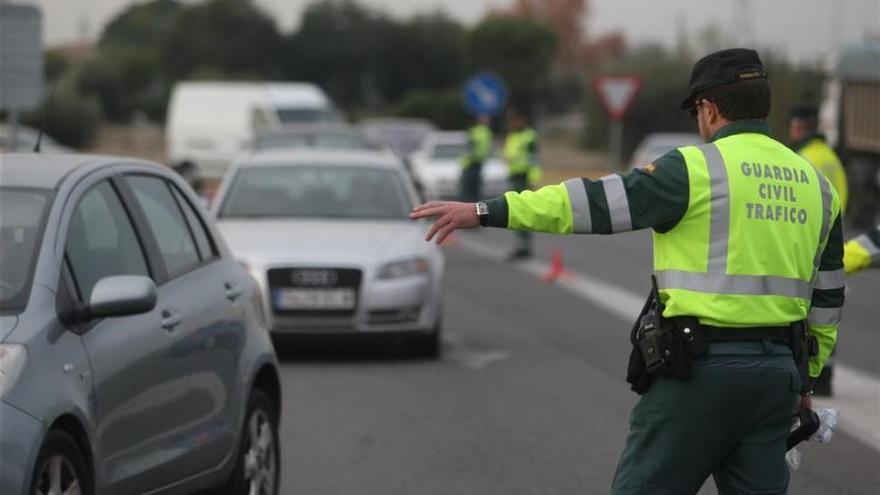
479	147
748	257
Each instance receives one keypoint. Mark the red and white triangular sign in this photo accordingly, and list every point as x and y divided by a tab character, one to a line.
617	93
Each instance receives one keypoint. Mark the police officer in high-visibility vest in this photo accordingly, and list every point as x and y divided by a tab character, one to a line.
748	260
807	141
863	252
479	147
521	154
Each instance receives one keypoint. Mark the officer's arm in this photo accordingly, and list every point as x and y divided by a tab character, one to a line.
828	295
862	252
655	196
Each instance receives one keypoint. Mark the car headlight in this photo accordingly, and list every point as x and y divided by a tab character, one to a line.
404	268
12	360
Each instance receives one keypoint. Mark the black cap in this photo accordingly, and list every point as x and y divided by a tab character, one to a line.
724	67
805	112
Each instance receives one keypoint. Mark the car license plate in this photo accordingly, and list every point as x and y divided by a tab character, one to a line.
314	299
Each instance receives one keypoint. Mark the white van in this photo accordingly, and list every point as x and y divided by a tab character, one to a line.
209	123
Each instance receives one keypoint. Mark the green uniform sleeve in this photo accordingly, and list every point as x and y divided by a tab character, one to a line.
655	196
828	297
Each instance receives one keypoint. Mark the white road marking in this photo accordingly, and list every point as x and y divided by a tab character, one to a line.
856	394
459	352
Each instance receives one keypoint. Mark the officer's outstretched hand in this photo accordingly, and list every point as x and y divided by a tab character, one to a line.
449	216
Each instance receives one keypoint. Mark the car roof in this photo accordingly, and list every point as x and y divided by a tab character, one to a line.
444	137
309	128
46	171
309	157
673	138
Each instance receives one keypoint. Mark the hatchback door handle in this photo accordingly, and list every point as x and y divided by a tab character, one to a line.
170	319
232	291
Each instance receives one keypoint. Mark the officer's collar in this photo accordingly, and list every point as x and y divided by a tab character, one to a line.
797	145
741	127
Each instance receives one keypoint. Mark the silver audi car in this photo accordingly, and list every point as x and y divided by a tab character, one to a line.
327	236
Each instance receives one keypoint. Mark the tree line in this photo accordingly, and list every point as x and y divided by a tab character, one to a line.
368	61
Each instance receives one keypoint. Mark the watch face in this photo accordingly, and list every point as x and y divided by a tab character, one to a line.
482	209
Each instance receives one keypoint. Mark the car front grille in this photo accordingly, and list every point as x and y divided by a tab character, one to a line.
397	315
314	291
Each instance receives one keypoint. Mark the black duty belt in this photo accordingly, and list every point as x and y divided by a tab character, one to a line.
727	334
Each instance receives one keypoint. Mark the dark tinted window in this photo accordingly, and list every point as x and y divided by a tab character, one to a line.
101	241
320	191
203	241
176	244
22	212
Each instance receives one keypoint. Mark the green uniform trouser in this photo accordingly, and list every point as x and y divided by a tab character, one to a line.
729	420
520	183
471	178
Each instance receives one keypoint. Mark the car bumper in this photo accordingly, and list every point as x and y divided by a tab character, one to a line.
20	437
408	304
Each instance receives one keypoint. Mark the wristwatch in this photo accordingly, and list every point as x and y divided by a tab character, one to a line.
482	212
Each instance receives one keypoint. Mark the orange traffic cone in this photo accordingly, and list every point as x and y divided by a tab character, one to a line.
557	269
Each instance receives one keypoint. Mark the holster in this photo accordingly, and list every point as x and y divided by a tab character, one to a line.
661	348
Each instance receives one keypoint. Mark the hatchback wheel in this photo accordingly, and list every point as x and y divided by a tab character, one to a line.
257	467
60	468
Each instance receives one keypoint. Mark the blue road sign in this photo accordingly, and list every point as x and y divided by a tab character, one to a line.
484	94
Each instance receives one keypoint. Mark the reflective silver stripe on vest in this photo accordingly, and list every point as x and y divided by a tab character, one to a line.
824	316
827	204
833	279
719	283
719	224
869	246
618	205
580	206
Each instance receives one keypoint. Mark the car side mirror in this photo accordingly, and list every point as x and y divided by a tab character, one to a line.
122	295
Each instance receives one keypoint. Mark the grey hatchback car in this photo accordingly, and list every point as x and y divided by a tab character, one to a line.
134	354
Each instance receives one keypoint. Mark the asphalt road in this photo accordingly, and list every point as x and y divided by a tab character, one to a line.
529	397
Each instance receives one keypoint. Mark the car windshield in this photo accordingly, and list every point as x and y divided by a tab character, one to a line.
22	214
319	191
449	151
323	140
302	115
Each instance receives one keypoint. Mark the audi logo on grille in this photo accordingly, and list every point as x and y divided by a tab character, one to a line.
314	278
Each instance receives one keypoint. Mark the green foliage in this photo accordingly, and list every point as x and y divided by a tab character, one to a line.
340	46
443	107
232	35
69	117
98	80
141	26
520	51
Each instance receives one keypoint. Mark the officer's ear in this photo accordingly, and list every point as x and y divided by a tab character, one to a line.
710	110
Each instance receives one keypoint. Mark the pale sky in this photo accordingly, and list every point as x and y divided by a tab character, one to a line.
803	30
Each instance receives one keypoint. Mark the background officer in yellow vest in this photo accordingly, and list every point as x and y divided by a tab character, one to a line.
479	149
862	252
747	246
521	154
807	141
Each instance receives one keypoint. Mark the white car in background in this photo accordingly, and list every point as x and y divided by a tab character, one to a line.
327	235
436	168
211	122
657	144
